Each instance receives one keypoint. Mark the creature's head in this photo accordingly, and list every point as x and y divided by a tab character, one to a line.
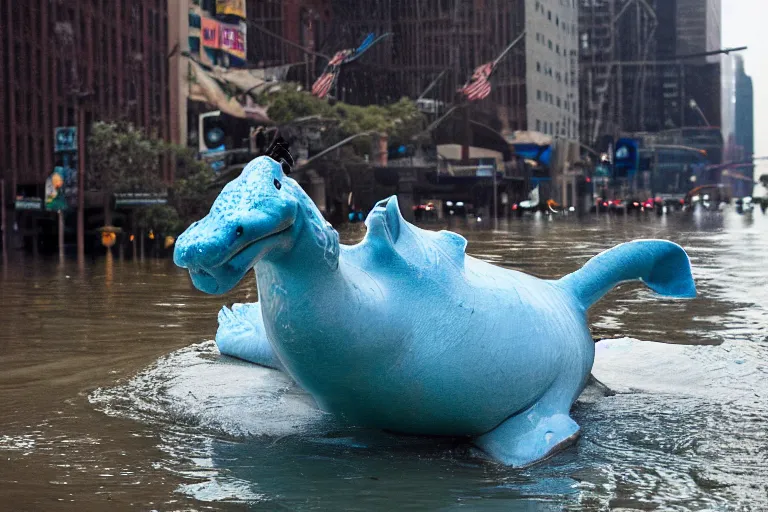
259	215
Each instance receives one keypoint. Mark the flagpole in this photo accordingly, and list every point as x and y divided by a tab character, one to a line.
434	83
508	49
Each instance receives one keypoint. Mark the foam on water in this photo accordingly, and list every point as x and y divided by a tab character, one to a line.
197	386
686	428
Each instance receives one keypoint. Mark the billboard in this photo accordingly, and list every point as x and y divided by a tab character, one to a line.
210	36
61	188
233	39
231	7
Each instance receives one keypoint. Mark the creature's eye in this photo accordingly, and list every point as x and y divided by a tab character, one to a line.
277	183
239	231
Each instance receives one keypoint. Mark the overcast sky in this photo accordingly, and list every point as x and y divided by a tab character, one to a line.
744	24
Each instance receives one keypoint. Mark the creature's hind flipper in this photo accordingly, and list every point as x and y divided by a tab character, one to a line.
241	334
529	437
663	266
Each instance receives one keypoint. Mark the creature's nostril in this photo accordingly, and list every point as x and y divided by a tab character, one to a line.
239	231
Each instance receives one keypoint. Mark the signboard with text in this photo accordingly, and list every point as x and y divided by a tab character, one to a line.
210	36
233	40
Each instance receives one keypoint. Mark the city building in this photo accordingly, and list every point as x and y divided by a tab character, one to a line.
698	27
728	109
621	74
637	71
534	87
103	60
552	68
436	47
745	116
742	173
110	57
244	43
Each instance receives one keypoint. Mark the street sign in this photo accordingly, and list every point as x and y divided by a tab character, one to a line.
65	139
136	200
28	203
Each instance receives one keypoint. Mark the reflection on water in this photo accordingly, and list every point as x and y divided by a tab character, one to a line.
194	430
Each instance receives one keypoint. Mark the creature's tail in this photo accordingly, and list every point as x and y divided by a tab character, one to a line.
663	266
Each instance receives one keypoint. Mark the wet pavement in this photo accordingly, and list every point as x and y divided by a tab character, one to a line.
91	419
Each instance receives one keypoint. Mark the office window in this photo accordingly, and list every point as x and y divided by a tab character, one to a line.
558	102
549	15
538	95
538	67
550	44
538	125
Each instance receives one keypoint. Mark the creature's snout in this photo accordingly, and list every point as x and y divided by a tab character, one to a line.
197	250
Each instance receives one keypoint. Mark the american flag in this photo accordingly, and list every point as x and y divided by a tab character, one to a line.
323	84
479	87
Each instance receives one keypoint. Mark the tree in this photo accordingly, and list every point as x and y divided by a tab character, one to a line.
400	121
123	160
193	192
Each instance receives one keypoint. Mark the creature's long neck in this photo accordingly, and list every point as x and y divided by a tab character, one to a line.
312	262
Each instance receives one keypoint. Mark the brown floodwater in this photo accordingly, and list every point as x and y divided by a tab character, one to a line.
86	422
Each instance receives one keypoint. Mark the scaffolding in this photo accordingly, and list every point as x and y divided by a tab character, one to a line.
628	85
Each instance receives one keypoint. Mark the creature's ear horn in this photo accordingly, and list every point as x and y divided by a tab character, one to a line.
278	151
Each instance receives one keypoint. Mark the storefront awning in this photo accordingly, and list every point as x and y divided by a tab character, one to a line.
231	91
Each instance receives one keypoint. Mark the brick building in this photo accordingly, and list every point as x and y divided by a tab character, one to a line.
104	59
112	54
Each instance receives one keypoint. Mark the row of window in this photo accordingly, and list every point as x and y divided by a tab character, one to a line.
557	75
553	46
568	128
555	100
568	29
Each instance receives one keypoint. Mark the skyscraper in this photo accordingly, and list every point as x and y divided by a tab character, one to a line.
728	108
698	27
745	118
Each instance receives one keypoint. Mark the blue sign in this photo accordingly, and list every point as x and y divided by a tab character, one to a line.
65	139
626	159
540	154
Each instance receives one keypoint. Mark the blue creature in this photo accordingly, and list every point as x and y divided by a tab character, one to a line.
404	331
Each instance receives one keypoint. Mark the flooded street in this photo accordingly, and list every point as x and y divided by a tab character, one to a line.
90	419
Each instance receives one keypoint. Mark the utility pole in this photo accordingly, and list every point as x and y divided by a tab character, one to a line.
495	198
80	183
60	214
3	222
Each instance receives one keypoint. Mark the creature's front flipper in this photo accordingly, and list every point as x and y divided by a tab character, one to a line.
529	437
241	334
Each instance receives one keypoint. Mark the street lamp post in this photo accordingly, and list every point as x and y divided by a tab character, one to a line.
695	106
